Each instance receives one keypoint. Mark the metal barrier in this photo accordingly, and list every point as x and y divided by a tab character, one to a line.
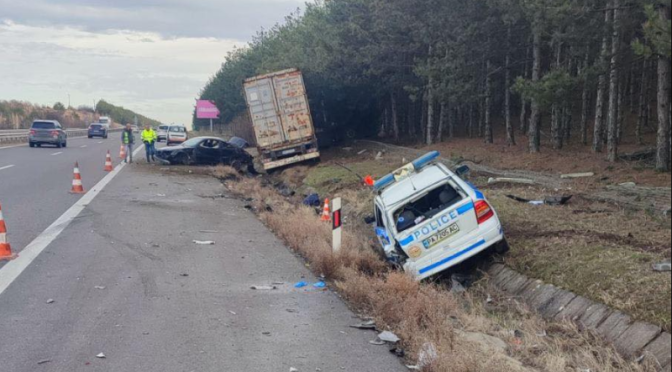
14	136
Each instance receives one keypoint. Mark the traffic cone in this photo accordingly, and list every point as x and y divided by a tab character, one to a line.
5	248
122	152
326	216
369	181
77	187
108	162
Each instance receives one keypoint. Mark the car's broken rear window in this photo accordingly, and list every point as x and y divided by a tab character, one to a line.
427	207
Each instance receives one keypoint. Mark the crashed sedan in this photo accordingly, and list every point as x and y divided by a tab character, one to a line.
429	219
207	151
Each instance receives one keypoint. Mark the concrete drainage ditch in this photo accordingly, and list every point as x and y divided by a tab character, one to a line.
634	340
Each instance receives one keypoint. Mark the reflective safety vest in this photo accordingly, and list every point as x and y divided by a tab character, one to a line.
149	136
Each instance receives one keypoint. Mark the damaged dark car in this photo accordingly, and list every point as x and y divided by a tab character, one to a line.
207	151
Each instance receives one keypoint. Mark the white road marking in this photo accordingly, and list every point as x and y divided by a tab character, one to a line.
6	167
13	146
56	153
13	269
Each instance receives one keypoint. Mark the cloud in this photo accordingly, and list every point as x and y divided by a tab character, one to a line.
144	71
152	56
228	19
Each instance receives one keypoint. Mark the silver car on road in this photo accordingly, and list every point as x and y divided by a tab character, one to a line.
47	132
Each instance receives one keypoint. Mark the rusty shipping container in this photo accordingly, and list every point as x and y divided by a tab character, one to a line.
281	118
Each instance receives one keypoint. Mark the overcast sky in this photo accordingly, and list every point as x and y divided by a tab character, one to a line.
151	56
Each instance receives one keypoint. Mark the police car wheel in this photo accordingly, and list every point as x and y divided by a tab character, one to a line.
503	247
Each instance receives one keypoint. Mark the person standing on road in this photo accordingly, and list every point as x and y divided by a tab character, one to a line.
128	140
149	138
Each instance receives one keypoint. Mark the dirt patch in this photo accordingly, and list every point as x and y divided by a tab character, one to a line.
520	233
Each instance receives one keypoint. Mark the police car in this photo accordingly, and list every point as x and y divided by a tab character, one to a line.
429	219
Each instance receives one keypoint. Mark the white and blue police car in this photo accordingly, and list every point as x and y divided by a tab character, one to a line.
428	219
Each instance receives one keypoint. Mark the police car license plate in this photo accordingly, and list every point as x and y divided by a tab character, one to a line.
441	236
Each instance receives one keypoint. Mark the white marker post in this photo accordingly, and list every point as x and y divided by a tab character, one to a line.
338	224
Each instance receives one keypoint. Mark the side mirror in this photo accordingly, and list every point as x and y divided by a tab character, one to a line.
463	170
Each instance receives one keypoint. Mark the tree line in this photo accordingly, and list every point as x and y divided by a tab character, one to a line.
430	70
123	116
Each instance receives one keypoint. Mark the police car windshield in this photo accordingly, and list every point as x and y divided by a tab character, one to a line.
427	207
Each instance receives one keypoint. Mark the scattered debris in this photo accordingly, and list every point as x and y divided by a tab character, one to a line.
389	337
293	370
522	181
370	326
41	362
551	200
313	200
209	231
206	242
161	195
628	185
642	155
663	267
264	288
456	286
300	285
427	356
51	301
184	275
100	287
101	356
577	175
320	285
233	313
362	152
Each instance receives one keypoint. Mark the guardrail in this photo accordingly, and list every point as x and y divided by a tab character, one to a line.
19	136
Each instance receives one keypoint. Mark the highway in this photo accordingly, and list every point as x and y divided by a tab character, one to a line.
113	280
35	182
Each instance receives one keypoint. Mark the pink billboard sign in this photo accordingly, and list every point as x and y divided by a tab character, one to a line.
206	110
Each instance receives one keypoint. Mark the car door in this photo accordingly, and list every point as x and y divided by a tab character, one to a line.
207	152
228	153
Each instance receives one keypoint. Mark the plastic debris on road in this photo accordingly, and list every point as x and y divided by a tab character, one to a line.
204	242
264	288
320	285
370	325
101	356
301	285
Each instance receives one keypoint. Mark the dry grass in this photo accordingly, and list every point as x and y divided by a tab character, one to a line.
427	314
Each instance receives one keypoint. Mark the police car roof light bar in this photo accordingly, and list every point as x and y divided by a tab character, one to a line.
417	164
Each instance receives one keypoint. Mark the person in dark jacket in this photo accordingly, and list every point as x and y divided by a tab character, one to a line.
128	140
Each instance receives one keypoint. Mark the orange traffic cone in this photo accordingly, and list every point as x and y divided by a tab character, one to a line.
326	216
108	162
5	248
369	181
77	187
122	152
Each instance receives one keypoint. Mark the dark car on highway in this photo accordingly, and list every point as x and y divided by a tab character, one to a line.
47	132
207	151
97	130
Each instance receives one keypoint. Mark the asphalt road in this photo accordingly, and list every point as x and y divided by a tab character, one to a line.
35	182
127	280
